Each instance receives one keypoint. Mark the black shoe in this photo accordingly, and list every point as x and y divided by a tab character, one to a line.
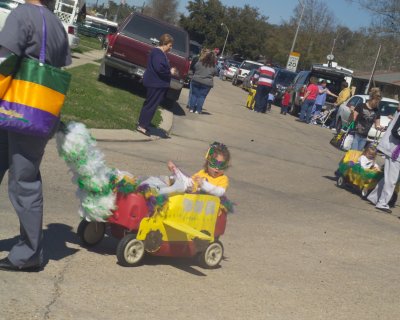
385	210
6	265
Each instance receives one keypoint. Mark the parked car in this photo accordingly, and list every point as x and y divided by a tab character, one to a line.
128	50
248	81
7	5
245	67
283	79
229	69
96	30
334	76
387	108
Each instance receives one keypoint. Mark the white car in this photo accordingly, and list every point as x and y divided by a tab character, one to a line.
387	108
230	68
7	5
245	67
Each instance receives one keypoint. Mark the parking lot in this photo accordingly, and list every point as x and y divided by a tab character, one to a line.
296	248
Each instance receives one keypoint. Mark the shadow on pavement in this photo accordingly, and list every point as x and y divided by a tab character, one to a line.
56	237
108	247
159	133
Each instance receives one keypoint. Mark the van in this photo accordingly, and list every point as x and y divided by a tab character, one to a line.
128	50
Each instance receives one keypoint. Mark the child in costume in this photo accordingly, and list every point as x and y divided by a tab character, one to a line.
210	180
367	159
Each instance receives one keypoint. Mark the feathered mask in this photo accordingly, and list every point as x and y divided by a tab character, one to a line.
212	153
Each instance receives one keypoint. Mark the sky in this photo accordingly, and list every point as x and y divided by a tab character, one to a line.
346	14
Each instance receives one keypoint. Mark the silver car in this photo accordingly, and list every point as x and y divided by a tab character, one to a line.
387	108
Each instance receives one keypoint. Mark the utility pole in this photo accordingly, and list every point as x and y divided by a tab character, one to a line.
373	70
294	58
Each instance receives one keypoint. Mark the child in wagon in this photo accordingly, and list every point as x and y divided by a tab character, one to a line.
211	179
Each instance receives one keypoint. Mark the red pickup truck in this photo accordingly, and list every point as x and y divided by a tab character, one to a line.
129	48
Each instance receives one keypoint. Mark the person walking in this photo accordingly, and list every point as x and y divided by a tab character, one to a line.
264	78
21	154
156	80
390	147
364	116
202	82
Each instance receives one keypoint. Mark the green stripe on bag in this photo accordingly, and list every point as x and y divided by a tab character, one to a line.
46	75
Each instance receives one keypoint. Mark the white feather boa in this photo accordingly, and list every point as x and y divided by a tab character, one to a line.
78	148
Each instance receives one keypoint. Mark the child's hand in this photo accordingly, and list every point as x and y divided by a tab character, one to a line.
198	180
171	166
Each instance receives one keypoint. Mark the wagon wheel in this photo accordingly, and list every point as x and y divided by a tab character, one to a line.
130	251
340	181
91	233
364	193
212	256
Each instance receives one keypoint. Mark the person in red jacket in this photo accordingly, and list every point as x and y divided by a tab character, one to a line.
309	100
285	102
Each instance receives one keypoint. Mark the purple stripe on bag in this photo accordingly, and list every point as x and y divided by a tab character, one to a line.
25	119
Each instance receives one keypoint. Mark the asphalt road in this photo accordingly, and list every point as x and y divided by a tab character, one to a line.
296	248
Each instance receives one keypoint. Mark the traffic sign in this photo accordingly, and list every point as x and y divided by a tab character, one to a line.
293	61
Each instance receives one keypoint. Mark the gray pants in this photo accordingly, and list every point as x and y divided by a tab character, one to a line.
21	156
383	192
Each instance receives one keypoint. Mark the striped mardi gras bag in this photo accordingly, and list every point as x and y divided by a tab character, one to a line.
32	93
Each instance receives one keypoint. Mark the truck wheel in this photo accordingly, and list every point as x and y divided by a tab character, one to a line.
212	256
91	233
105	73
234	81
130	251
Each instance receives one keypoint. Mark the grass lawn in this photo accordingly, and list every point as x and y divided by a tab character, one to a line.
87	44
100	105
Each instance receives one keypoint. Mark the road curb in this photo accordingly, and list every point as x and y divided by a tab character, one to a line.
125	135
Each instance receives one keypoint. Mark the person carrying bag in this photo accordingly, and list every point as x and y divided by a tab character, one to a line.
30	108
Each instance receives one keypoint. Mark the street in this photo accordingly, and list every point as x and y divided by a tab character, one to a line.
297	246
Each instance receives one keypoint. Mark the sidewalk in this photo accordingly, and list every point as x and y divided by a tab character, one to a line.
122	135
91	56
125	135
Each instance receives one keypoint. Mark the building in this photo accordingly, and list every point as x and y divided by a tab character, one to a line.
388	82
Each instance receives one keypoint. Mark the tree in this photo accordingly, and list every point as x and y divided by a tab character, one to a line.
386	14
247	28
317	31
163	9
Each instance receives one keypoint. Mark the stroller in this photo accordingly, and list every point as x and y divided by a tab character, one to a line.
325	117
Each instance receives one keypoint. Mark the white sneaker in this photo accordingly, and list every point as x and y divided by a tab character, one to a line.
196	112
191	111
